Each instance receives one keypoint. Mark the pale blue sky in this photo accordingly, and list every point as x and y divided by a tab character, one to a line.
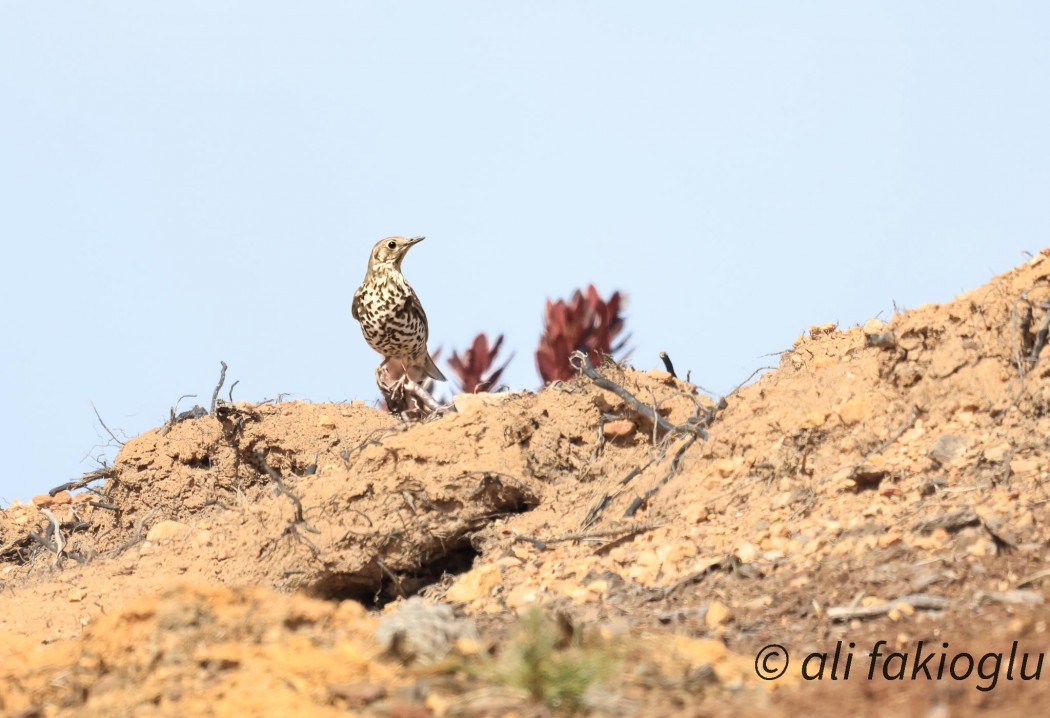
187	182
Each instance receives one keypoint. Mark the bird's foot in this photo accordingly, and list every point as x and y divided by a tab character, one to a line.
406	397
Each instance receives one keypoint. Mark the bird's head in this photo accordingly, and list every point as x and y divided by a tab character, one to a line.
388	253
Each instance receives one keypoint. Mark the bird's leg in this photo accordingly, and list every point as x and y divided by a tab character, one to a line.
392	388
424	396
425	404
403	395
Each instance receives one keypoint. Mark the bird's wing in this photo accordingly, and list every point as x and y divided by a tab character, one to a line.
414	306
355	308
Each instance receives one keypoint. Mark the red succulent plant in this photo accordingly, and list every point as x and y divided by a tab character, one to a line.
585	323
474	369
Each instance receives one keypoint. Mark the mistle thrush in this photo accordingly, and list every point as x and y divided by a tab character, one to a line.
391	316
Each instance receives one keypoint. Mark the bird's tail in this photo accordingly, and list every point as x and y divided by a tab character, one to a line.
432	370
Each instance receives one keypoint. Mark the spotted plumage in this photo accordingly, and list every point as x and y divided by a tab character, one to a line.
392	319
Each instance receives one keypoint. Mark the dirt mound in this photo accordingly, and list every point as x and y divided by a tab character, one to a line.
886	481
188	649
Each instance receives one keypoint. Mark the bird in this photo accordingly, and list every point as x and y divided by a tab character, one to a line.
392	318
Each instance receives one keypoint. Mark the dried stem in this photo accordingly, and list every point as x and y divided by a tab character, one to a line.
83	481
60	543
215	394
260	457
582	362
104	425
915	600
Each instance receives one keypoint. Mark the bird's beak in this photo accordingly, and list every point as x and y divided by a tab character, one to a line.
415	240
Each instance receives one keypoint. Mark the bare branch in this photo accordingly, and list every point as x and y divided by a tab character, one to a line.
1014	597
140	524
104	425
215	394
915	600
60	543
83	481
260	457
642	500
1032	578
725	564
618	532
583	363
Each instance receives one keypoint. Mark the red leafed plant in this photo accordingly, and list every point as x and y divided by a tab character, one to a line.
585	323
474	369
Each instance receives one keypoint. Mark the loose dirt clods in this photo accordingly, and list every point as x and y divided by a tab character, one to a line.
886	482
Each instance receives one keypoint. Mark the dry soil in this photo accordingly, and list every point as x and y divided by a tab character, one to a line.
883	483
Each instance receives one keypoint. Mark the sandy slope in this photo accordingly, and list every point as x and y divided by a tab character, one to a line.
897	460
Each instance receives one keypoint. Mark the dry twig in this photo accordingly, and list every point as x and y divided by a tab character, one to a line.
395	580
375	438
260	457
174	418
1032	578
618	532
913	600
140	523
642	500
60	543
725	564
104	425
82	482
953	521
694	427
215	394
1012	597
42	540
583	363
603	501
751	376
293	530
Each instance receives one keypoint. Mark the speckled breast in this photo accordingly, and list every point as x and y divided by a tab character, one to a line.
392	329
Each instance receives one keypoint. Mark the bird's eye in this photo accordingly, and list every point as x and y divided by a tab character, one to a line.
392	244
